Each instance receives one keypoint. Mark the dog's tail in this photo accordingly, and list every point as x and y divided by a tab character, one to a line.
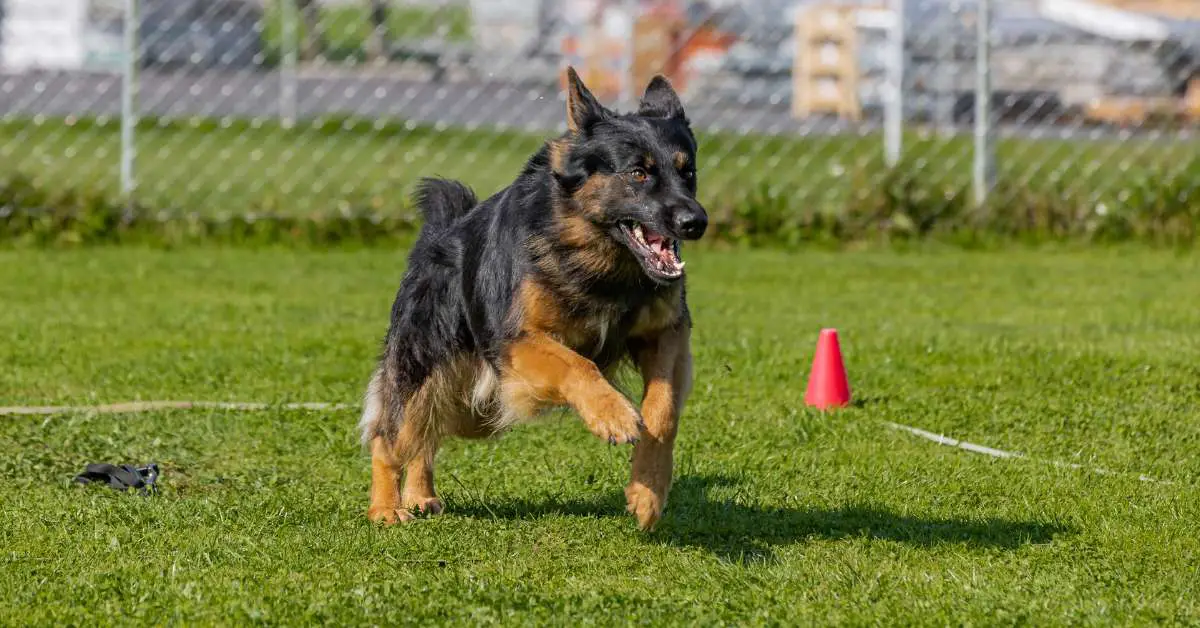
372	415
383	406
442	201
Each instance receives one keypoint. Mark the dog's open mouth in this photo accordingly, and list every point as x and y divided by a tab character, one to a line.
656	251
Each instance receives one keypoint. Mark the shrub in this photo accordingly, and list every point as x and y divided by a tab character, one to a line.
898	204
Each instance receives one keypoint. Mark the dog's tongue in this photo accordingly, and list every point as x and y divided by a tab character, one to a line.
661	249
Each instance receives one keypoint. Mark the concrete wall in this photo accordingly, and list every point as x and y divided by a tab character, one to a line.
43	34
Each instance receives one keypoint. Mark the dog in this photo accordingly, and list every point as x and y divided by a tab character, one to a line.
534	299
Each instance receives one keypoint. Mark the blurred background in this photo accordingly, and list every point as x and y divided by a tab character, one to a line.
223	107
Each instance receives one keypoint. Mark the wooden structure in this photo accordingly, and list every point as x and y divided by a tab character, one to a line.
825	73
1135	111
655	48
1191	100
1178	9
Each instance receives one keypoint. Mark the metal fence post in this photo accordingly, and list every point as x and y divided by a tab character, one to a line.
893	132
128	104
287	71
946	85
984	158
627	100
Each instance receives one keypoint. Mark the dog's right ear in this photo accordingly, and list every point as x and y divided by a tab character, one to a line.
583	110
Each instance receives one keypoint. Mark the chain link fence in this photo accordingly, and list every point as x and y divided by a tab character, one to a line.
302	106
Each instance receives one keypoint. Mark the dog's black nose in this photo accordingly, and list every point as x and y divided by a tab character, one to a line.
690	225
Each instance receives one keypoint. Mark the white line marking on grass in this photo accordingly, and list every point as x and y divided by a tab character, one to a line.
945	440
1000	453
147	406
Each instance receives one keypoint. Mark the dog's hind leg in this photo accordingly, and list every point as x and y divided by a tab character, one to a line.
385	483
411	454
381	407
435	411
666	366
419	497
393	499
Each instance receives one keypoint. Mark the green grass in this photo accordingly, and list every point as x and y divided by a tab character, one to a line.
237	167
347	28
780	515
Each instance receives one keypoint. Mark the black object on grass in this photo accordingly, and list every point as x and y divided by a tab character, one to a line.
122	477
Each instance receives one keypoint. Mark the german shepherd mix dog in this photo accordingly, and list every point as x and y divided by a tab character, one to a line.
533	298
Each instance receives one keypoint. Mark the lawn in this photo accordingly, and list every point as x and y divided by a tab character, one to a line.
239	166
347	28
781	515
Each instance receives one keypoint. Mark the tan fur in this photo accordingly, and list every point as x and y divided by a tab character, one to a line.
542	373
574	100
596	260
558	155
454	401
543	370
540	311
544	313
593	196
593	250
566	353
666	366
391	501
372	408
577	231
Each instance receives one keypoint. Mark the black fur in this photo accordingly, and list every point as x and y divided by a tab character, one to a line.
459	295
441	202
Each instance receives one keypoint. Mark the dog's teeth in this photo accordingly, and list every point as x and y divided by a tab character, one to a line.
680	266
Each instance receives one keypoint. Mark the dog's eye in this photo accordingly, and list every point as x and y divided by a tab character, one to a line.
639	175
689	174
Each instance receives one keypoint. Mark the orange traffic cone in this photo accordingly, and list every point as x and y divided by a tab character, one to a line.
827	384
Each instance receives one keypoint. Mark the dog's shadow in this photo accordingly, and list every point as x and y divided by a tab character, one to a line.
746	533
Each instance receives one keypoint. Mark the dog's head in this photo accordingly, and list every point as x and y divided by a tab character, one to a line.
632	176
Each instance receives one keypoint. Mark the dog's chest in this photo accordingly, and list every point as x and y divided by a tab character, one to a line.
595	329
603	336
596	334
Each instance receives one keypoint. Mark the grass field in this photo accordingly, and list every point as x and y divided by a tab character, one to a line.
780	515
346	28
239	167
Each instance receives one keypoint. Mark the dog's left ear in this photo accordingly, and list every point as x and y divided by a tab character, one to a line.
661	101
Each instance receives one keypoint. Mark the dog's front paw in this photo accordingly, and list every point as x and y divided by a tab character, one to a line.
614	419
644	504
